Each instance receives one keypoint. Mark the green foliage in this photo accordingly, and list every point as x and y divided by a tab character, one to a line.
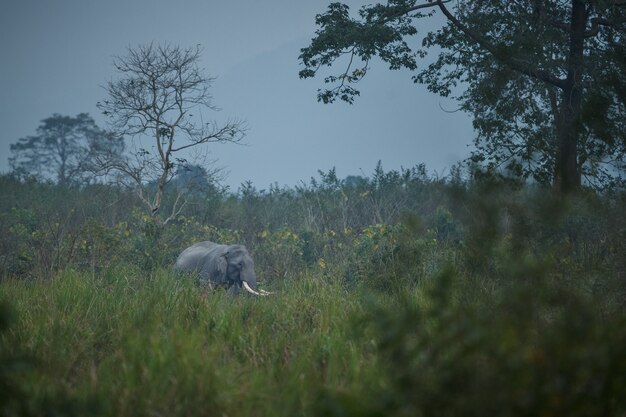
542	348
380	32
145	344
389	258
18	368
279	254
445	226
543	81
398	294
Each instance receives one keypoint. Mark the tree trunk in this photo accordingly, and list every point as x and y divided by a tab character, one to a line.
567	176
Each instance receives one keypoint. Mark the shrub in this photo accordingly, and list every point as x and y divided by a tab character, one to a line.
541	349
390	258
278	255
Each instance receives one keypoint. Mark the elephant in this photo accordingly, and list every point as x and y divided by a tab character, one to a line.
229	266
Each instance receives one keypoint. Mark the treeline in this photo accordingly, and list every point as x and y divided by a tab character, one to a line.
405	221
47	227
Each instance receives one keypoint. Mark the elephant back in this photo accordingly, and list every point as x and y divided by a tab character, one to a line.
194	258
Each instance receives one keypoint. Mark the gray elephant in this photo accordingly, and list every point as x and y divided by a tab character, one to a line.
229	266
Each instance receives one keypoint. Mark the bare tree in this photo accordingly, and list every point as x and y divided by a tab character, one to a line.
161	94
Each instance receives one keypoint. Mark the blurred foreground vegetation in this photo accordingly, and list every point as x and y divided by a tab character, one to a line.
397	295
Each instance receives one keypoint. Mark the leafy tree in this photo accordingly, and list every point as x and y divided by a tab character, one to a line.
159	90
545	80
63	150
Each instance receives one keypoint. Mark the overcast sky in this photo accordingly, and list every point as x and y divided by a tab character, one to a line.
57	54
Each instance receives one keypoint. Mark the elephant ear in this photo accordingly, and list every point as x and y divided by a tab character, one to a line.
220	267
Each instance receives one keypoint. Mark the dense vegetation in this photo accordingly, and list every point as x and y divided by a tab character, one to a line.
399	294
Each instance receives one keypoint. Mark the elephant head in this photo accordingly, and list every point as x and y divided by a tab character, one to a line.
235	267
223	265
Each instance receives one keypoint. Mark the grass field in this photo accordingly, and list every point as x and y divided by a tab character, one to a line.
156	345
131	344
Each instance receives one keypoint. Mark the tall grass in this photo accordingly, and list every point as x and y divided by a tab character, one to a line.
135	344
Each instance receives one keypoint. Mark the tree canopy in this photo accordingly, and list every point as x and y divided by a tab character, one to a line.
544	80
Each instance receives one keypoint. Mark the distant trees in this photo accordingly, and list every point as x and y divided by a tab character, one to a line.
160	96
63	150
194	178
544	80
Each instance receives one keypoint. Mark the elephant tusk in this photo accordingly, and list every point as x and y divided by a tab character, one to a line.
250	290
263	292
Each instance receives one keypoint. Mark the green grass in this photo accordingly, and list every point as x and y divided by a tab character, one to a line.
156	345
521	341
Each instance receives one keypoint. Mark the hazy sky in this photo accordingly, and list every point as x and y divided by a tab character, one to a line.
57	54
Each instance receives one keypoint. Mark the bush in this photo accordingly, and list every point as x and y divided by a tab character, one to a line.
390	258
542	349
279	254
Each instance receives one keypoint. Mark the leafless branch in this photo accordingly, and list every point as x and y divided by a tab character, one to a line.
160	89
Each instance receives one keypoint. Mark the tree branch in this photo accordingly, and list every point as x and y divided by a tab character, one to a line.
514	63
412	9
596	22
